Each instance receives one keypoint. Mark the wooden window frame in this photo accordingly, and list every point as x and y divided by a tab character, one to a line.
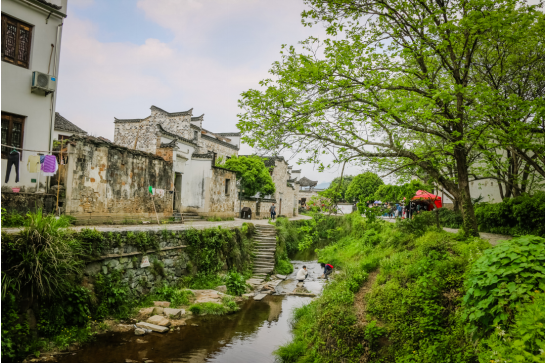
22	119
18	25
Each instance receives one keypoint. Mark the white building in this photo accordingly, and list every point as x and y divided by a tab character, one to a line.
31	41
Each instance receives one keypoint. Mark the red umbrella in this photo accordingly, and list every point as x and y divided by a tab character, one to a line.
424	195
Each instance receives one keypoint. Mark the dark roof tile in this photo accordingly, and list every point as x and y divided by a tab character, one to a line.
61	123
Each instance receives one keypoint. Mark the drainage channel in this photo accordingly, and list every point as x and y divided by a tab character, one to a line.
249	335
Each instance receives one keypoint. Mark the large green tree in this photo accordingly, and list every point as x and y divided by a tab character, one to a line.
339	185
405	88
252	173
363	186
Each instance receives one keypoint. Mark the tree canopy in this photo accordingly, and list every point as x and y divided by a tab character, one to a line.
363	186
394	193
252	173
436	87
335	186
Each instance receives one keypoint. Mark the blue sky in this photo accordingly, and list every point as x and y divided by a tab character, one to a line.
119	57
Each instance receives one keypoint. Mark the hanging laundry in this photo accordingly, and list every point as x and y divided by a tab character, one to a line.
13	160
160	192
33	163
49	167
42	158
151	190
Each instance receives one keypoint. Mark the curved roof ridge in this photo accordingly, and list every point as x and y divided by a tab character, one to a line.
178	113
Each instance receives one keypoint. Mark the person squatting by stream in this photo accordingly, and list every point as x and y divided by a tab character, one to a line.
328	268
302	274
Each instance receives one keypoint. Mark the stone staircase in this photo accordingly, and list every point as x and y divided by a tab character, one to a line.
266	243
186	216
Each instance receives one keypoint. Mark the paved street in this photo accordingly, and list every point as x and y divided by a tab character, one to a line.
149	227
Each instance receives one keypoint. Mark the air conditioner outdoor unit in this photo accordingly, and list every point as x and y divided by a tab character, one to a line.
43	82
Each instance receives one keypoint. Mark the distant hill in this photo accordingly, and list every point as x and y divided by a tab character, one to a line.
323	185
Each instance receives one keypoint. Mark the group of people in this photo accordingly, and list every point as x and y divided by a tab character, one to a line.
400	210
303	274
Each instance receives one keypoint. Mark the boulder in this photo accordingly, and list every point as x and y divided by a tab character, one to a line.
175	313
158	320
139	332
156	328
248	295
158	310
222	289
162	304
280	276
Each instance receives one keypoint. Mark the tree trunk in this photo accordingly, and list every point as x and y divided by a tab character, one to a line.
470	225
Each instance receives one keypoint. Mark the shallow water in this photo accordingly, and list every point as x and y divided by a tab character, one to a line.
249	335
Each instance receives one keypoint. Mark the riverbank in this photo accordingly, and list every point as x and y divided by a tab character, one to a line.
410	293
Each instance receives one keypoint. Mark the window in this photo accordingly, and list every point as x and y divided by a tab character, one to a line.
16	37
12	132
195	134
227	187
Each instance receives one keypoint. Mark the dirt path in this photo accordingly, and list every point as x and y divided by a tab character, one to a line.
360	301
192	224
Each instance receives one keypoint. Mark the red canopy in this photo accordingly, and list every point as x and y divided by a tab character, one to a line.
424	195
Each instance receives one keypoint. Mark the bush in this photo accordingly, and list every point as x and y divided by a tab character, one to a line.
42	259
235	283
177	297
228	305
284	266
501	279
514	216
418	225
523	342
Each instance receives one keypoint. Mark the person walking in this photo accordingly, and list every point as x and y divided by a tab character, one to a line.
273	211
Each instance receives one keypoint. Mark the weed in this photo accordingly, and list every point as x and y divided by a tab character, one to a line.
236	284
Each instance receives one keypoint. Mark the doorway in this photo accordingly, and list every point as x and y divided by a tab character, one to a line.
177	200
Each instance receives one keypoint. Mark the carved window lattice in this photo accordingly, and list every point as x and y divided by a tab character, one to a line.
13	127
16	40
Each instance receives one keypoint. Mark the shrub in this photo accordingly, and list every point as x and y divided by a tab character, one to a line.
418	225
177	297
501	279
284	266
514	216
113	296
42	259
235	283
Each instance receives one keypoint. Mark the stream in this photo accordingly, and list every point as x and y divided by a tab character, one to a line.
249	335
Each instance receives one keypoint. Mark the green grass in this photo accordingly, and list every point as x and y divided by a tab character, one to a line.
227	306
414	308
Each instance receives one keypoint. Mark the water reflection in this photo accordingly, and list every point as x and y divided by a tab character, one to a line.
250	335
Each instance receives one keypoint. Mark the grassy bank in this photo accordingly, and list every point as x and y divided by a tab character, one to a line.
407	293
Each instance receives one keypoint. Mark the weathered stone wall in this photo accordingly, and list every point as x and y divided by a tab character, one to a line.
260	208
106	181
220	203
221	148
125	134
306	194
280	177
24	202
126	259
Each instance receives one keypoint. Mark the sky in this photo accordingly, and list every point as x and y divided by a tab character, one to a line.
120	57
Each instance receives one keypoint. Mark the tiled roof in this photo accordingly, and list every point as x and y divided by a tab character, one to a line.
179	113
198	118
195	127
172	144
307	182
296	171
56	7
116	120
176	136
61	123
102	141
226	144
206	155
228	134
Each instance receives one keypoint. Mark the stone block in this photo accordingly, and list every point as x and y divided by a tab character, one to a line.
139	332
114	263
123	260
104	269
259	297
280	276
158	310
93	268
222	289
158	320
168	262
175	313
156	328
162	304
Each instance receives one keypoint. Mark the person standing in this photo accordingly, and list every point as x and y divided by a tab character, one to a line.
272	211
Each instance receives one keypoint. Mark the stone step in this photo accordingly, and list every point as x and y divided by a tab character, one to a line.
270	238
272	243
264	256
262	270
269	261
192	218
265	228
264	266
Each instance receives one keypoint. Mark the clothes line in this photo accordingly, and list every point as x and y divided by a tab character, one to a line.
31	150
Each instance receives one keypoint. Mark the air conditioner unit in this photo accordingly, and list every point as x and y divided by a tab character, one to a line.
43	82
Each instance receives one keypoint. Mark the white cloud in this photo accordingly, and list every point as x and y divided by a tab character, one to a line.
99	80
